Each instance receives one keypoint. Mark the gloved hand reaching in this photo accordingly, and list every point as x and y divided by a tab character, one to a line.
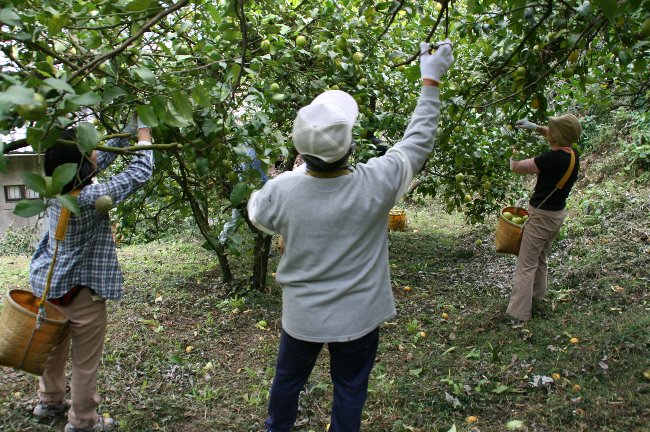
525	124
434	66
134	124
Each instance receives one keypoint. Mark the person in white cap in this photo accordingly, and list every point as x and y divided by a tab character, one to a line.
334	271
546	208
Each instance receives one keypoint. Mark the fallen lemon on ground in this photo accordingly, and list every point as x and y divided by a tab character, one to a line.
576	387
407	288
444	315
471	419
423	334
189	348
574	340
556	376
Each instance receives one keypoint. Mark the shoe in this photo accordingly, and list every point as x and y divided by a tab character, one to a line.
517	324
104	424
48	411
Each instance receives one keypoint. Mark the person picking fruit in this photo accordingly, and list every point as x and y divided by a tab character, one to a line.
86	274
334	272
547	208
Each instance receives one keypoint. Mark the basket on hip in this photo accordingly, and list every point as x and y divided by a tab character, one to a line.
30	326
23	344
509	234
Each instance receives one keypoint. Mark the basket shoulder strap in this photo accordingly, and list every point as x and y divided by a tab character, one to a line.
64	216
569	171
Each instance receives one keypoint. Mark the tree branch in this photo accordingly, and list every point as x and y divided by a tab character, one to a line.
153	21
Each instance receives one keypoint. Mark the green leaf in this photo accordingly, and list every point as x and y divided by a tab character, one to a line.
609	7
172	117
56	22
213	11
35	137
202	166
201	96
138	5
144	74
415	372
501	389
88	98
113	93
183	106
87	137
35	182
29	208
62	176
59	84
147	116
17	95
70	202
10	17
238	194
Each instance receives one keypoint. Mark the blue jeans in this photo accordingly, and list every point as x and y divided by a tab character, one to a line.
350	366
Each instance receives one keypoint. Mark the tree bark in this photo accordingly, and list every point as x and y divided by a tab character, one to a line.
261	261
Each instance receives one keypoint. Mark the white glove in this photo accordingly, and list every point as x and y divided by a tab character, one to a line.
131	126
434	66
142	125
134	124
525	124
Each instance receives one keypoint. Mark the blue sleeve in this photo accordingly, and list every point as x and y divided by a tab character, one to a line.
121	185
104	159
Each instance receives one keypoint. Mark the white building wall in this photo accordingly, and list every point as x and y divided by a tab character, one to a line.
17	164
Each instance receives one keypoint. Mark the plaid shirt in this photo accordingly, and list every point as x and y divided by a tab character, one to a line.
87	256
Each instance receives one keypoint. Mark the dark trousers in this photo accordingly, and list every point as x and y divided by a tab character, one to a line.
350	366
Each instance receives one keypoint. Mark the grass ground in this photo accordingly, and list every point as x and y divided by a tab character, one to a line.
183	355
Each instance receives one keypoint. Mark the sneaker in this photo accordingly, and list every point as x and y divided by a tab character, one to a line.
517	324
103	424
48	411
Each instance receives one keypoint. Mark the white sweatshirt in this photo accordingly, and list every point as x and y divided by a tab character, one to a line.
334	272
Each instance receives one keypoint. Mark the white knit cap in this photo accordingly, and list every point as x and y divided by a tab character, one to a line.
324	128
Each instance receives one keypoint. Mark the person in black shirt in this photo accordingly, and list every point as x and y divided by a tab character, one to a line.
546	209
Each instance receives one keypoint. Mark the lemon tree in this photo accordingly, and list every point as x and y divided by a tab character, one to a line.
218	78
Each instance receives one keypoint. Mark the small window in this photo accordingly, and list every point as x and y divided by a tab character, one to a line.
14	193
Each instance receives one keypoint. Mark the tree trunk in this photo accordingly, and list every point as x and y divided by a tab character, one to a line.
261	261
204	226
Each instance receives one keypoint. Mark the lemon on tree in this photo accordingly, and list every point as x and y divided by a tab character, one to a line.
275	87
301	41
357	57
104	204
266	45
34	110
535	103
645	28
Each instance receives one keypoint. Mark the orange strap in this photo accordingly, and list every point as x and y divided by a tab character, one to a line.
568	172
62	227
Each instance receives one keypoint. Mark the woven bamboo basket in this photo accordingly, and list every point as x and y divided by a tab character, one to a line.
21	346
397	220
509	234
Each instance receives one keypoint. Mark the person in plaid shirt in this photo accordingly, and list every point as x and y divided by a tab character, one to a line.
86	274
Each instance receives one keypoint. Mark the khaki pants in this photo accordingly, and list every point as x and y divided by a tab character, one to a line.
87	315
532	268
